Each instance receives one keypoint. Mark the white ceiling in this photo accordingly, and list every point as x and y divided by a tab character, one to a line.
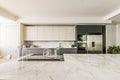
31	10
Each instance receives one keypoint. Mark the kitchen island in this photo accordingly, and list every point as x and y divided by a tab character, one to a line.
74	67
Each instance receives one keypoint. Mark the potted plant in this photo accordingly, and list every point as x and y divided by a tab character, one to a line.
114	50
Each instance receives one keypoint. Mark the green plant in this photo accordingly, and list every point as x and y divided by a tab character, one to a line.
114	49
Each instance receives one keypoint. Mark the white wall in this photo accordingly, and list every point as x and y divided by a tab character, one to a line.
21	35
118	34
110	35
10	39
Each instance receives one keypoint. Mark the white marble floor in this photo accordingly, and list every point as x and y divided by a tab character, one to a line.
75	67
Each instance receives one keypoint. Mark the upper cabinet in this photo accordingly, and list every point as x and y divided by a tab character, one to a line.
48	33
53	33
71	33
30	33
67	33
40	33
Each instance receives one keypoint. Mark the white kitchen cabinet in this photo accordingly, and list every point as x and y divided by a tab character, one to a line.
63	33
51	33
55	33
48	33
70	33
40	33
30	33
67	33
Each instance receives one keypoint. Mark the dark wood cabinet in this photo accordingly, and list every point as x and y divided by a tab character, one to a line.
68	50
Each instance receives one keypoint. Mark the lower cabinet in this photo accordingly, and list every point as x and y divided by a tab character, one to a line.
31	51
40	51
68	50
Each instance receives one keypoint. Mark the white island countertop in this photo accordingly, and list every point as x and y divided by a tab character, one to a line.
75	67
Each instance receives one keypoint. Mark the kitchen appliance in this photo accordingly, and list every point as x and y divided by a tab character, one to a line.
90	43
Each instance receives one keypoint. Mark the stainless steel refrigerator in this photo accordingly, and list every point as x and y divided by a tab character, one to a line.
90	43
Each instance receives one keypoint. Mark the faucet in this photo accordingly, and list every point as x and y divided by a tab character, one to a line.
60	45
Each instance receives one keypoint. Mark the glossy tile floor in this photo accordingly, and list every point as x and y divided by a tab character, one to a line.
75	67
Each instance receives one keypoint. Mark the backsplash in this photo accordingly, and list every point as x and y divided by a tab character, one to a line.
51	44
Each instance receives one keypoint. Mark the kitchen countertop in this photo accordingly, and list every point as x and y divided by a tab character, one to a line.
75	67
50	48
